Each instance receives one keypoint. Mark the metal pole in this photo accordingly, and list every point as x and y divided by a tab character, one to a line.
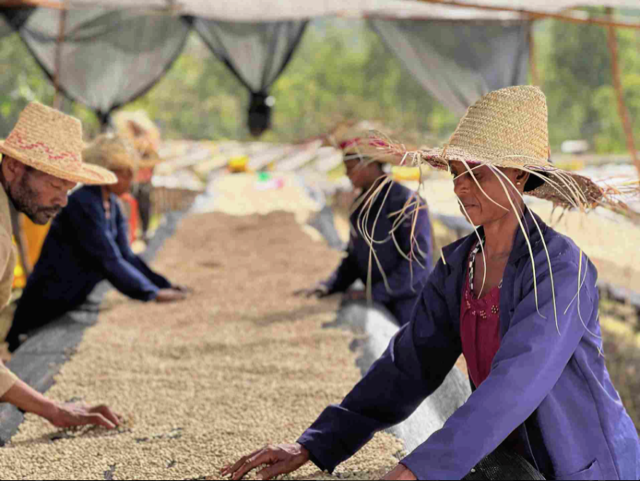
566	15
533	64
57	99
617	83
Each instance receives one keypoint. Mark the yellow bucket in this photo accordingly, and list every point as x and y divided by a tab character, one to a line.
238	164
405	174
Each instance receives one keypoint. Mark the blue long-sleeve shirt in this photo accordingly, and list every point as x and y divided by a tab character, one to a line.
548	383
83	248
405	279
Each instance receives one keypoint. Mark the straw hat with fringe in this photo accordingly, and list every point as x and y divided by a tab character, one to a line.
143	133
51	142
508	128
112	152
372	150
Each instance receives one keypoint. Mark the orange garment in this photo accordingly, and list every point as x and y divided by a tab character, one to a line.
132	209
35	235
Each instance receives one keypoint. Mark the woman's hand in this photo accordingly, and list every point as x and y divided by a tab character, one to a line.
400	473
319	290
181	288
170	295
356	296
282	459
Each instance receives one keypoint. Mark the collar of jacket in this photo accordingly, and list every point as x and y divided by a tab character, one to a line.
455	255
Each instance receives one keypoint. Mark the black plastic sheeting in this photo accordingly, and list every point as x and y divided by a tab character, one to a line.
256	53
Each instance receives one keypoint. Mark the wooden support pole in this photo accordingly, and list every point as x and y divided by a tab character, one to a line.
565	16
57	99
617	84
533	64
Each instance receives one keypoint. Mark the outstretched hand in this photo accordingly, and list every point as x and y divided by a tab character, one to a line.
181	288
400	473
356	296
319	291
282	459
170	295
75	414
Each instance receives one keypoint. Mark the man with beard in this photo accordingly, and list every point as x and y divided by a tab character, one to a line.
41	163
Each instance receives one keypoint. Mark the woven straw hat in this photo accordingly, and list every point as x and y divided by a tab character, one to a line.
51	142
112	152
509	128
367	149
143	133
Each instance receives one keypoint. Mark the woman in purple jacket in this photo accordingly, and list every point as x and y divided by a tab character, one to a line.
403	260
519	300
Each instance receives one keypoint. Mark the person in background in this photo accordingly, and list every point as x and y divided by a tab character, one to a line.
404	278
145	137
41	163
88	243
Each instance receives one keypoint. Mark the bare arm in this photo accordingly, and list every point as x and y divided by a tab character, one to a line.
60	415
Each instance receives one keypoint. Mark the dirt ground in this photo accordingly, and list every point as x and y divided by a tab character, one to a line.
243	363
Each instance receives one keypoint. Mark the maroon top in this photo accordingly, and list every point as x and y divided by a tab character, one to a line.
480	331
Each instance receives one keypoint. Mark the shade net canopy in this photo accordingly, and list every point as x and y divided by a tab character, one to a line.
274	10
107	57
113	51
459	63
256	53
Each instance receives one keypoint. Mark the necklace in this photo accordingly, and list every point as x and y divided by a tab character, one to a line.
472	264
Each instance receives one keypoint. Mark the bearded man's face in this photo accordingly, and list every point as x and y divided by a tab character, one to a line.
38	195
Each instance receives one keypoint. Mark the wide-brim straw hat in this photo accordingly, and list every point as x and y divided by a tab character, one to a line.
112	152
149	157
143	133
508	128
51	142
367	150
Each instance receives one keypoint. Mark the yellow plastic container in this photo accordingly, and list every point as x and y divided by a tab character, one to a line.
238	164
406	174
35	235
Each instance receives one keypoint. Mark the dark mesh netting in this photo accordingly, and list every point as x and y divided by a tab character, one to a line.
459	62
256	53
107	58
13	18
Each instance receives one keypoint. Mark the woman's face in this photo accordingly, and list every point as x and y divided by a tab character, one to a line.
486	200
125	177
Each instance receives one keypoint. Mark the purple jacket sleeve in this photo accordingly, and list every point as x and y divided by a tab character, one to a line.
532	356
95	238
403	278
414	366
344	276
123	243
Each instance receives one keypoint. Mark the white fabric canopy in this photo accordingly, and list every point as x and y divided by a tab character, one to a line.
271	10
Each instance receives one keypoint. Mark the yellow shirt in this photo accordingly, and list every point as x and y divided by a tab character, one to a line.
7	266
